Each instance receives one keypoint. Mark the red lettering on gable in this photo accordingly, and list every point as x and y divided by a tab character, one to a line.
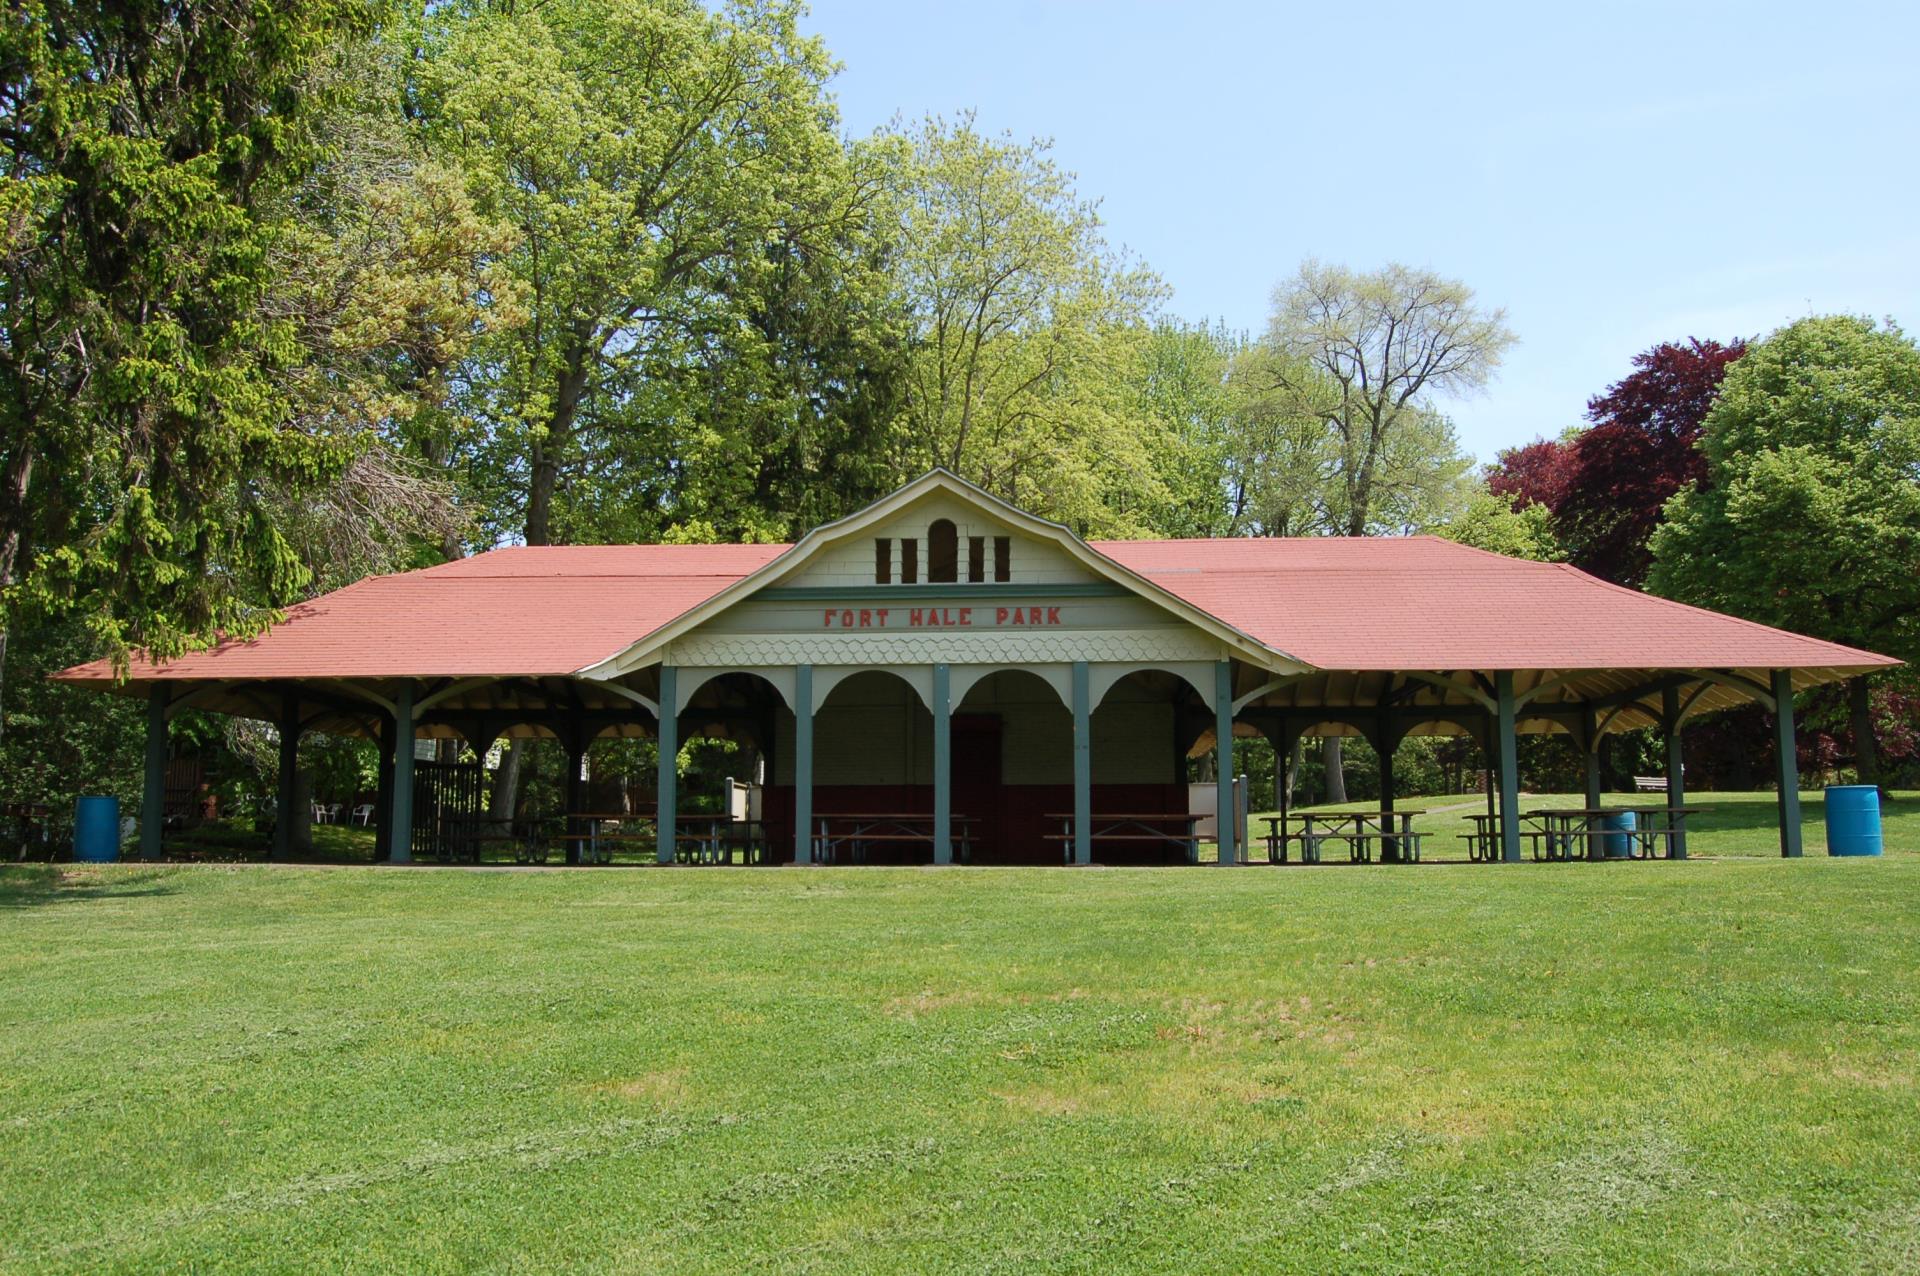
966	615
913	617
826	619
882	614
866	619
1053	615
999	615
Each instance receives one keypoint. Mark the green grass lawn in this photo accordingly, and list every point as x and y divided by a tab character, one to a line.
1556	1067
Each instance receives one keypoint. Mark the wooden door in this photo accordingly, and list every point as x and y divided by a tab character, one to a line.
976	780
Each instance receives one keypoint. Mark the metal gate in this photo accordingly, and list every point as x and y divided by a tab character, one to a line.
447	798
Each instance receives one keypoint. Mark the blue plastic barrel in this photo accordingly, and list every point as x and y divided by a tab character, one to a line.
1616	842
96	829
1853	820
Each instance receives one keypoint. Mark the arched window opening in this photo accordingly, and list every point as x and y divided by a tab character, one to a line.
943	552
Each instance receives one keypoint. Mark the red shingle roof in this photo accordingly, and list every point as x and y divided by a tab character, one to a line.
1421	602
1412	603
533	610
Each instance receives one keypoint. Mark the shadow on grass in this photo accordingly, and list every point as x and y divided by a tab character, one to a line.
230	842
34	885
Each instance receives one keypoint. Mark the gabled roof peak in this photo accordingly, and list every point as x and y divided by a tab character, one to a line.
940	480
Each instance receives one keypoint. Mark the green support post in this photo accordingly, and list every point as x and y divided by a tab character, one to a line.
289	786
942	764
1082	763
1786	763
1509	767
576	791
666	818
401	840
1676	770
1225	812
153	793
803	764
1284	745
1386	744
1590	745
383	795
1490	751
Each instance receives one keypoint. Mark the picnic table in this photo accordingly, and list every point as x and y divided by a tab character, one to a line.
1360	830
463	833
1483	844
1167	828
859	833
1574	833
712	836
700	837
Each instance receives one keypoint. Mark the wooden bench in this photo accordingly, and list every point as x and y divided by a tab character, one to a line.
1360	845
858	843
463	834
857	831
591	844
1650	783
1484	848
1189	852
689	848
1131	828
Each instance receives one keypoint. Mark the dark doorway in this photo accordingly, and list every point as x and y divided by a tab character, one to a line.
943	552
976	781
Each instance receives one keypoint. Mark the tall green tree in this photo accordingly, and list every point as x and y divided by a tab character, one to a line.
145	432
707	342
1026	332
1365	353
386	276
1179	389
678	191
1809	515
1282	463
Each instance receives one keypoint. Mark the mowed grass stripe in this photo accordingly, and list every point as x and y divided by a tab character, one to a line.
1566	1067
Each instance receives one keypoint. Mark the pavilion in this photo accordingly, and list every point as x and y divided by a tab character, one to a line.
943	651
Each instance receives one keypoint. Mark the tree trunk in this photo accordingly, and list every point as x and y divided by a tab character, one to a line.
545	462
1866	753
1361	498
506	787
1293	762
13	512
1336	771
543	477
540	485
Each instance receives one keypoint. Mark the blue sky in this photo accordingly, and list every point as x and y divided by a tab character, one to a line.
1613	174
